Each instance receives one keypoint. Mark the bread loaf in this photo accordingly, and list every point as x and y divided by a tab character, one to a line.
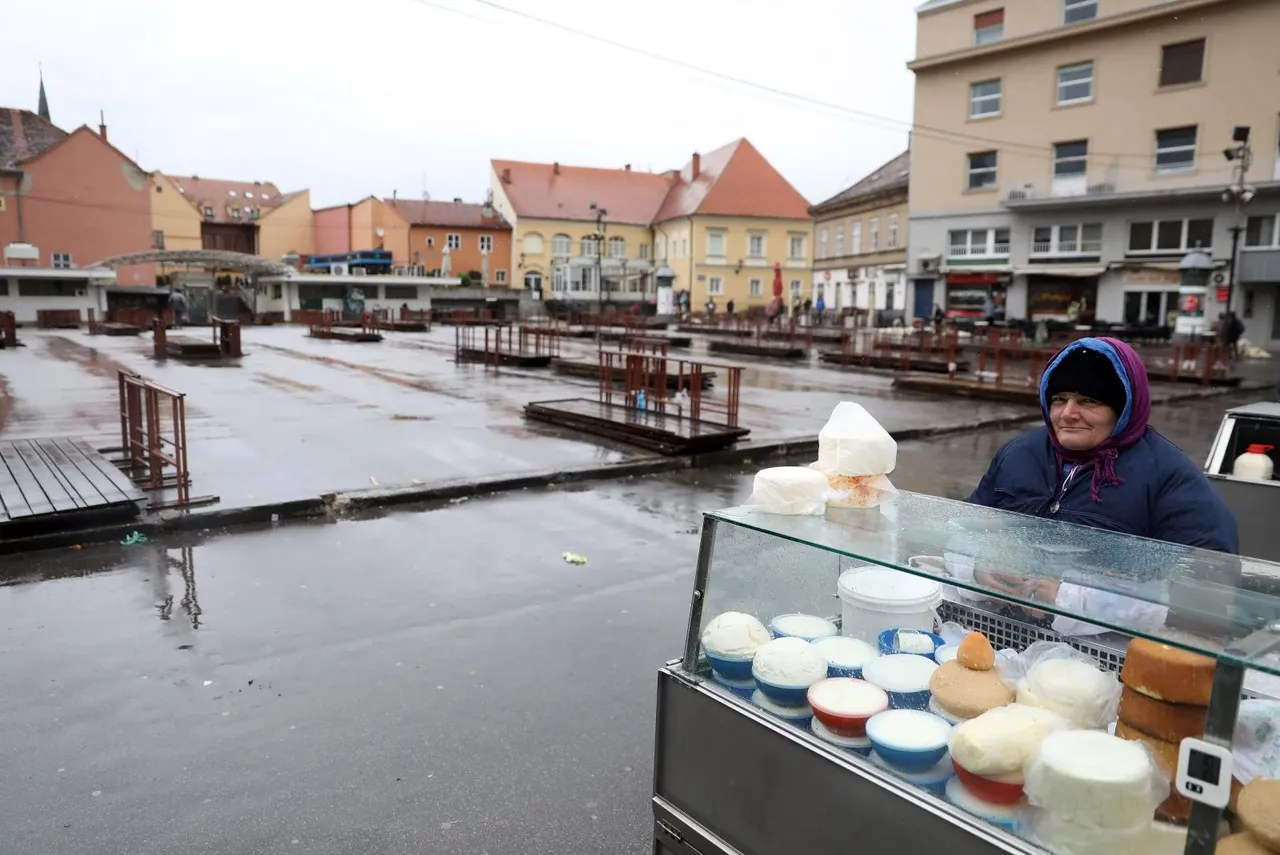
1259	810
1167	673
1161	719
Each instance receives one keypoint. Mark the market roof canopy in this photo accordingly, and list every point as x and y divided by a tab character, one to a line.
219	258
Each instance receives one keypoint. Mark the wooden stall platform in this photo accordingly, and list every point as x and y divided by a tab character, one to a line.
832	334
591	371
186	347
60	484
507	358
677	341
709	329
662	432
1005	393
352	334
772	351
877	360
406	326
116	328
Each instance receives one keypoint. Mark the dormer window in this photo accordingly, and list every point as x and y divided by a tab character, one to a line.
208	212
235	213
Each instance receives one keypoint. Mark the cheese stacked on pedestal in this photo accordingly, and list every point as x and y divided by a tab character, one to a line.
1165	700
969	685
855	453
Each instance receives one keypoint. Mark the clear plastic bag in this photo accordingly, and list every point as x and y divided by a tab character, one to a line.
1056	676
853	443
999	742
1085	800
789	490
857	491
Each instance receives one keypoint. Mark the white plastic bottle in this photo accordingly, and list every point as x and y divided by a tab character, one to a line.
1255	463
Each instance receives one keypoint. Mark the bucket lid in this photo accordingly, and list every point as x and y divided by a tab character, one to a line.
877	586
1258	448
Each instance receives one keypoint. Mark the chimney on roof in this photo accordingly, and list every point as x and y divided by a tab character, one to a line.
102	124
555	167
393	195
487	210
506	175
697	165
627	167
457	201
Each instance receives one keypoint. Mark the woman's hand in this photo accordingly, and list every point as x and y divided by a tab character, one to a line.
1038	590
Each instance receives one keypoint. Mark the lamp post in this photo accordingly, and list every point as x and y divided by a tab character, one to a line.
1241	157
601	213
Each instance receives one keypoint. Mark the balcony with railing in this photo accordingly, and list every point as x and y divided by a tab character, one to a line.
1132	181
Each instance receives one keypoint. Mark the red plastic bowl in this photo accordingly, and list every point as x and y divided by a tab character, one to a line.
995	791
844	721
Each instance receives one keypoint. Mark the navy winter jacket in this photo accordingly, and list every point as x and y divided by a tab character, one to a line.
1164	496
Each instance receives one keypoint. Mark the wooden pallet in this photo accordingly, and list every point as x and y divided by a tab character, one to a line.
932	365
771	351
591	371
187	347
60	483
514	360
666	433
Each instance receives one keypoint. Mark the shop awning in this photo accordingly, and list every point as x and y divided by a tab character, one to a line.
1045	270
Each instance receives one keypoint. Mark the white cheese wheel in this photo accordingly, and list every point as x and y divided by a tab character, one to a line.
1093	780
1072	688
735	635
900	672
789	662
789	490
1000	741
844	652
852	442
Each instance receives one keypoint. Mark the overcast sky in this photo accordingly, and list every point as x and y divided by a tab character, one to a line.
352	97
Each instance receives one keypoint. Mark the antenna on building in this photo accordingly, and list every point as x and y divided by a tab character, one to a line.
426	197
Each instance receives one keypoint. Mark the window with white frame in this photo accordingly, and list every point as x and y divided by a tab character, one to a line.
984	99
855	239
561	245
582	279
62	259
988	27
893	231
1075	11
532	244
1074	239
560	279
486	243
715	244
982	170
1176	148
644	250
970	243
715	286
1075	83
453	241
873	234
500	276
795	288
589	246
684	246
617	247
795	248
755	288
1070	158
822	243
755	246
1262	232
1169	237
839	240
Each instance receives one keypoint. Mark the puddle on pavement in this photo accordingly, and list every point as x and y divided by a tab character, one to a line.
6	402
88	357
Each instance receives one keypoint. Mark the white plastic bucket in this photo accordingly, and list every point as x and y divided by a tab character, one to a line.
873	599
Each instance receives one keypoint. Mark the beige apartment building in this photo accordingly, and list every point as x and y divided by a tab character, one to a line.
860	256
1072	151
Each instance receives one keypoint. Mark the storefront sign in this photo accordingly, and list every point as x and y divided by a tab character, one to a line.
1149	276
1221	295
977	278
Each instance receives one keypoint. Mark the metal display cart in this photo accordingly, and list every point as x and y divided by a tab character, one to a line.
733	779
1256	504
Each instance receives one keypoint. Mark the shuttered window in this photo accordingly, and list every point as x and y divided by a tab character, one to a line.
1182	63
988	27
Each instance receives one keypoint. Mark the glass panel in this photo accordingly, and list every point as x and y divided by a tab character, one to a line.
1207	593
1199	232
1140	235
1133	307
1259	231
1169	234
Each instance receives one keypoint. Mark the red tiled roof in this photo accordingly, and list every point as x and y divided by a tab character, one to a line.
223	195
734	181
462	215
558	192
892	175
23	135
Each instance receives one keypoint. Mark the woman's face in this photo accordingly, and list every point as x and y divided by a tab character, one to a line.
1080	423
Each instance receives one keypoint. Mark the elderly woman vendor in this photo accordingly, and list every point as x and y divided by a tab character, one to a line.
1097	462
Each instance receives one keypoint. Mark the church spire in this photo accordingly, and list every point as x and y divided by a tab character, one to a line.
44	100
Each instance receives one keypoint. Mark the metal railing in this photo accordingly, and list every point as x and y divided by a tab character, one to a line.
678	387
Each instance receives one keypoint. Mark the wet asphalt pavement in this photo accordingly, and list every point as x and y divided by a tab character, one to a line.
429	680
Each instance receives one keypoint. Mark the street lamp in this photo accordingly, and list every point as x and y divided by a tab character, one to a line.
1241	158
601	213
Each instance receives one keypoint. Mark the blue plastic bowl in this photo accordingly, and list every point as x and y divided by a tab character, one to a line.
885	642
904	676
786	696
922	751
799	716
730	667
741	688
829	647
909	700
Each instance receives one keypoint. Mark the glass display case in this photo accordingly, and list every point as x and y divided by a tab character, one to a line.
742	767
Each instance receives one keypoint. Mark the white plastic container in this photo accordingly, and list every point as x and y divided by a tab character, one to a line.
873	599
1255	463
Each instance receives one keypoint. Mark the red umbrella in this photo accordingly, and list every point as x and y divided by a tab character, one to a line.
777	279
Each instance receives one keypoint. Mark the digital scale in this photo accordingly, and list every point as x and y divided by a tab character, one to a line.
1204	772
